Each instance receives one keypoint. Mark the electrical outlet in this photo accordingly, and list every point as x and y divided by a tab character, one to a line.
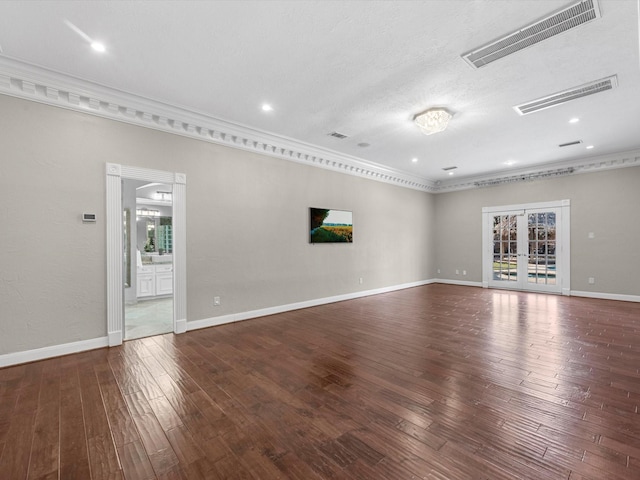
464	272
216	301
457	272
360	280
438	270
592	280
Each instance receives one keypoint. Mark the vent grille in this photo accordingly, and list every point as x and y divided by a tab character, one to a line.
337	135
577	142
569	17
446	169
559	98
526	177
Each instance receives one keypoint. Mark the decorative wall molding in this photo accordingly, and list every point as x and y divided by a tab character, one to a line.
115	294
565	168
41	85
180	253
29	82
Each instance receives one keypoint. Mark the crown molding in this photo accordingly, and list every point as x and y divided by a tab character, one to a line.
569	167
42	85
31	82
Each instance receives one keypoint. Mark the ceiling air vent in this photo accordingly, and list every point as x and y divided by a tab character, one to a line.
568	144
569	17
446	169
559	98
337	135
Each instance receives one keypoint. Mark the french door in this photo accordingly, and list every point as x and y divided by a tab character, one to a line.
526	247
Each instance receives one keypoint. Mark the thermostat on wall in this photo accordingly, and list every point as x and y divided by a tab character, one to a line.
88	218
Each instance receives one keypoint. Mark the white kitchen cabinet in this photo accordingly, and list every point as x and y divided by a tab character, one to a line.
146	285
155	280
164	279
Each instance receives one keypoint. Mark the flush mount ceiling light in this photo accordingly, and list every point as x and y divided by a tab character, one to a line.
433	120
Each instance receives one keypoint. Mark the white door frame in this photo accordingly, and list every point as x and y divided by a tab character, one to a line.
115	249
563	246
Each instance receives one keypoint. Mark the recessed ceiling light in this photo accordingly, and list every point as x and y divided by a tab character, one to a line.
510	162
451	173
98	47
266	107
589	147
574	120
414	160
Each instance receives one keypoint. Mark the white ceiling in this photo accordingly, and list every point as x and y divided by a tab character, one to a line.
361	68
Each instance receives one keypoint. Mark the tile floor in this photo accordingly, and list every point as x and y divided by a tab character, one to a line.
148	317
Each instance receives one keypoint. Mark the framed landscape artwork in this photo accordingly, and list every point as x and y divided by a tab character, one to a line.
330	226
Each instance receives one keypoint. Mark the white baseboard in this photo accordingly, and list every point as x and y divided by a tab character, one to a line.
181	325
236	317
607	296
464	283
53	351
115	338
16	358
211	322
566	292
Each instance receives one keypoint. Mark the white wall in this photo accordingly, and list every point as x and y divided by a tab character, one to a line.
247	225
605	203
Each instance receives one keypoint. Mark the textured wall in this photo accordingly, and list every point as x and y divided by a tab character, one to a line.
247	218
605	203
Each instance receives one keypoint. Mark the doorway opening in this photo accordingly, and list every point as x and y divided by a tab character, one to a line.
122	264
148	258
526	247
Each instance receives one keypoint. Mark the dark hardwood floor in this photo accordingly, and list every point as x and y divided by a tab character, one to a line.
434	382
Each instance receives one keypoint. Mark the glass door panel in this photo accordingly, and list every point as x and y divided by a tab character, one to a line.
505	248
524	253
542	248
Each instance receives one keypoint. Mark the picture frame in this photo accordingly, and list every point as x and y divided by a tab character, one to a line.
330	226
